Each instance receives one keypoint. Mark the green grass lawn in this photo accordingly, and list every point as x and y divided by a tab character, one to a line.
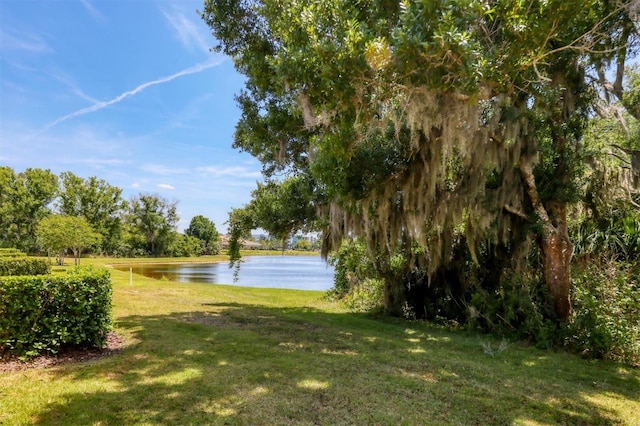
206	354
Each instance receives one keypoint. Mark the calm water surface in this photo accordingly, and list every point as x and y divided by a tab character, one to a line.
292	272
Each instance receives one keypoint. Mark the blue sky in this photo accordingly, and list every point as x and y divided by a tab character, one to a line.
126	91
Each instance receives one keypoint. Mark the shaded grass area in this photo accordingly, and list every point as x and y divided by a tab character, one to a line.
205	354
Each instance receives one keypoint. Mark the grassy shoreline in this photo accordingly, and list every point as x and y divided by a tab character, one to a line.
203	354
218	258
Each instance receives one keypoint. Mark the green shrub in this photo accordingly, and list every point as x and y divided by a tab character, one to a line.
615	236
367	296
11	252
352	266
40	314
355	282
517	307
184	246
606	322
23	266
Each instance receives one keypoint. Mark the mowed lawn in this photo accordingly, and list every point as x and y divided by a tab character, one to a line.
208	354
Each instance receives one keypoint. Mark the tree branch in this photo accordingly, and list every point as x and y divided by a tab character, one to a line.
526	168
618	90
312	120
516	212
626	150
624	160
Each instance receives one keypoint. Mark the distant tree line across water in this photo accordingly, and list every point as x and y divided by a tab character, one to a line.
43	212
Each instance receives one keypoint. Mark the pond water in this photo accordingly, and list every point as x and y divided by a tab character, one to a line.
291	272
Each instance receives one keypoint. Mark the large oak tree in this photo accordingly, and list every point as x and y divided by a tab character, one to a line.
437	123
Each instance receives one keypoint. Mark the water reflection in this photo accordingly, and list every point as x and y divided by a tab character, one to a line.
292	272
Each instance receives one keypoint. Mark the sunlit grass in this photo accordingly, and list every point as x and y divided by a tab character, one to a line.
209	354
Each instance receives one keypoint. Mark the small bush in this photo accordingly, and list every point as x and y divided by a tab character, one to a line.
44	314
352	265
517	307
23	266
355	283
366	296
606	322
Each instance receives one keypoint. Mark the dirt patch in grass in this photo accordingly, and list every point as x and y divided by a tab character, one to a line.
115	344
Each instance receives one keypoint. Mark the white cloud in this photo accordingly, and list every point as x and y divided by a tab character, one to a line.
236	171
93	11
67	81
192	35
135	185
100	105
165	186
102	162
27	42
83	150
163	170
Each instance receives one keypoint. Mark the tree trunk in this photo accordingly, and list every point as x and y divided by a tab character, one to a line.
557	252
394	297
556	247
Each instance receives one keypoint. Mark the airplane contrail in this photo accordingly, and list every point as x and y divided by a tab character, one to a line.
99	105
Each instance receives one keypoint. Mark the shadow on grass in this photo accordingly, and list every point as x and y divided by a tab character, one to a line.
245	364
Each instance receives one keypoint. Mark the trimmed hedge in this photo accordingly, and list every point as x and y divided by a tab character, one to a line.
11	252
47	313
23	266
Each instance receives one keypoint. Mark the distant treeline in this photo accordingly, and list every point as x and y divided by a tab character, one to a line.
146	224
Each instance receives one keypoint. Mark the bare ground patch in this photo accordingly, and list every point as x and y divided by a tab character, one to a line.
115	344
